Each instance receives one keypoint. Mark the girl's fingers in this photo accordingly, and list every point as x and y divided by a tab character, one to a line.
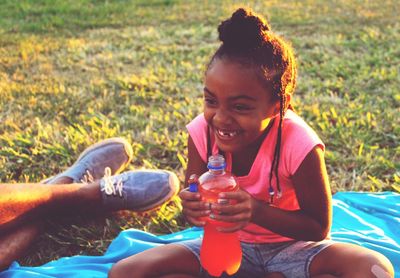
195	205
189	196
227	209
194	221
239	196
195	213
239	213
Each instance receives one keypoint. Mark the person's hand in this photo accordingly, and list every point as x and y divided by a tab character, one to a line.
233	207
193	208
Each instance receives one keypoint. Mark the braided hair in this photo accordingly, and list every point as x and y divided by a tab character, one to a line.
248	40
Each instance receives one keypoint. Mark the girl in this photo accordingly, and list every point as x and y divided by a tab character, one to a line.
283	211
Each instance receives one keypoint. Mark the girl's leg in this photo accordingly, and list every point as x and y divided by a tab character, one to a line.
353	261
171	260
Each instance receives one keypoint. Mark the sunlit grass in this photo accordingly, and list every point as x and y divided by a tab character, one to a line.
75	72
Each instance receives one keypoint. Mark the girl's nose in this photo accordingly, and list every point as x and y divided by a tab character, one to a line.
222	117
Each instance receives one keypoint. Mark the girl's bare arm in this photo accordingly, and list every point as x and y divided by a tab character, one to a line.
195	164
311	222
192	206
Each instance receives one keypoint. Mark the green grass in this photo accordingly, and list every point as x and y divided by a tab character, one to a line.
75	72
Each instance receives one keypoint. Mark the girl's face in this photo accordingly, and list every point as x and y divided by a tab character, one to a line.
236	105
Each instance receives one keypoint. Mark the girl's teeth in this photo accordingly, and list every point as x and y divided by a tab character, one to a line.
225	133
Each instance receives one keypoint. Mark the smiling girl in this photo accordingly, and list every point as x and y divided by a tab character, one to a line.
282	212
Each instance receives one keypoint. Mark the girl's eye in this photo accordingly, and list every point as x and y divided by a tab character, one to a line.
242	107
210	101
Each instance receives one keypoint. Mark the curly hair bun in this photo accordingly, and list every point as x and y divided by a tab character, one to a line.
243	31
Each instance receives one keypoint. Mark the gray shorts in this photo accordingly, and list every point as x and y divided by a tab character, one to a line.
292	258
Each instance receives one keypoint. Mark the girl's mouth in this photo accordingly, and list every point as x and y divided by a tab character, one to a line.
226	134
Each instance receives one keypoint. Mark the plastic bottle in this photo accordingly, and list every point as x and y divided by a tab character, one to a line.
219	251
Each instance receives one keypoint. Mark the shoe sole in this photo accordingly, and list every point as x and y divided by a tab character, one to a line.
127	147
173	185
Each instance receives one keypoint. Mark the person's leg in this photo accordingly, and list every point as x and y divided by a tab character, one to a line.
115	153
171	260
15	243
18	201
139	190
21	203
349	260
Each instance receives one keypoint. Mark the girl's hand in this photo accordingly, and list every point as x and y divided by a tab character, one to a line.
238	209
193	207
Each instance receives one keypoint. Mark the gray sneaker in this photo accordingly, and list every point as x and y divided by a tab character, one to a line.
114	154
138	190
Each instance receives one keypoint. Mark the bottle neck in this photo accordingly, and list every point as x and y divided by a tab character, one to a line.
216	164
217	172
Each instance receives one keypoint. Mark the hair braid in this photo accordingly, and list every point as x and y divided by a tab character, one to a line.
277	152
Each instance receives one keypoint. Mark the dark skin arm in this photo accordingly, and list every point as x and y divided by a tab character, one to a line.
193	208
195	164
311	222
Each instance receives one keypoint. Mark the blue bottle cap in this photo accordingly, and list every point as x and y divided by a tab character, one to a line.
193	187
193	183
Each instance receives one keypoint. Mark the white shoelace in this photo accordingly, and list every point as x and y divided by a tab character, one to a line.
87	177
108	183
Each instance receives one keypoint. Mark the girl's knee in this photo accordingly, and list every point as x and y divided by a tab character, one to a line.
348	260
167	259
123	268
117	270
382	271
113	271
373	265
382	267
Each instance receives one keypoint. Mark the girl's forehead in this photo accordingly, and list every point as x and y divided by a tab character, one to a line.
231	80
230	65
232	73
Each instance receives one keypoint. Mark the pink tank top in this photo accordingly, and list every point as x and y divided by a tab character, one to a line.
298	139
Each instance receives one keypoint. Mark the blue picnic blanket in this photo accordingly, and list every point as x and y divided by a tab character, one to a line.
368	219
